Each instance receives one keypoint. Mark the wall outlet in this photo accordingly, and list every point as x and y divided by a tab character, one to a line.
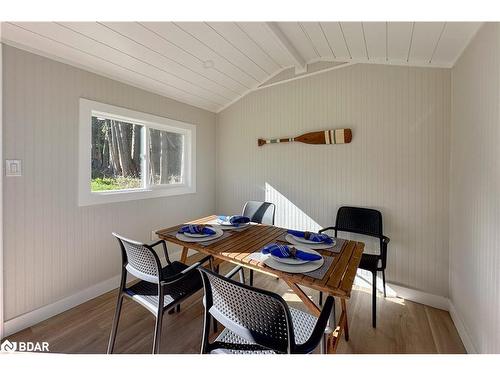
13	168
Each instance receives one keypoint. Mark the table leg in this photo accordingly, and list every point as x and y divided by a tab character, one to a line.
184	254
346	325
305	298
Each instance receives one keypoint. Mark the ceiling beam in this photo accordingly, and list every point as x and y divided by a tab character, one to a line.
299	61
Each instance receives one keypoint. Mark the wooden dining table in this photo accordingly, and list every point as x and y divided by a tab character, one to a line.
237	247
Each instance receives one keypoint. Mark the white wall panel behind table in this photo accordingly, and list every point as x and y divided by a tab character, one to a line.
53	248
397	162
474	194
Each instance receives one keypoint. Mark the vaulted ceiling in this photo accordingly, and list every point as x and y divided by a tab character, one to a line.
212	64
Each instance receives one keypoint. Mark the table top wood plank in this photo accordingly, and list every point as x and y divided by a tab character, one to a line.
350	273
341	265
259	243
264	235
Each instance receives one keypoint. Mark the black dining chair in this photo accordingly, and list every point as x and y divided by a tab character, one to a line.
367	222
257	321
159	288
260	213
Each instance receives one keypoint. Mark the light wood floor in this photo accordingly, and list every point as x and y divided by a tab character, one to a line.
403	326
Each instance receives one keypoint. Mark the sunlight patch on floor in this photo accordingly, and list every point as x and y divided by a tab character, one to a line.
363	283
291	297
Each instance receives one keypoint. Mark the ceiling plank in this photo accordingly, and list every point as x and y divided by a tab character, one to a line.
297	37
237	37
425	38
300	62
398	40
336	39
376	38
208	36
353	32
261	34
318	39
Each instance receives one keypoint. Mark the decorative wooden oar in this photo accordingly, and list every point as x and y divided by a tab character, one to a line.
323	137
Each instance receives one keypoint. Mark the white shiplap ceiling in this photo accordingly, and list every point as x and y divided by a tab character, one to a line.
212	64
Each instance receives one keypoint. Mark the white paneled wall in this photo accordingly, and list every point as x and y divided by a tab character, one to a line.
53	248
475	190
398	161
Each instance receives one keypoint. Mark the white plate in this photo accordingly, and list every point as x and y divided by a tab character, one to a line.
296	261
303	240
231	226
197	235
183	237
291	268
317	246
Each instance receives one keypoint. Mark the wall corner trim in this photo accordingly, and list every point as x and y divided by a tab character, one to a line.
462	331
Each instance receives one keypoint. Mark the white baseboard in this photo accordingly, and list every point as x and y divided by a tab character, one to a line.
364	279
433	300
36	316
462	331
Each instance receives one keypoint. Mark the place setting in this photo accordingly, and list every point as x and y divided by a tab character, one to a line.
237	223
299	254
316	241
200	233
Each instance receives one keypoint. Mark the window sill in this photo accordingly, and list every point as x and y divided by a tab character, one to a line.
88	198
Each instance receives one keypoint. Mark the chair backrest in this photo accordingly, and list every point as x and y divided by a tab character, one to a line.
260	212
139	259
259	316
359	220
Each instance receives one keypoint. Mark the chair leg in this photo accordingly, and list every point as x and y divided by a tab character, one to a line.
157	335
321	298
251	278
383	281
333	316
374	300
334	313
215	325
346	323
241	272
114	327
325	340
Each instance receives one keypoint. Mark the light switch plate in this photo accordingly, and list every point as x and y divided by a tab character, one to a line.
13	168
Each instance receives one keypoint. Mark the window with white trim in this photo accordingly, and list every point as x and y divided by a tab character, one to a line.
127	155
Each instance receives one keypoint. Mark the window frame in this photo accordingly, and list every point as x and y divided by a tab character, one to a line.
86	197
